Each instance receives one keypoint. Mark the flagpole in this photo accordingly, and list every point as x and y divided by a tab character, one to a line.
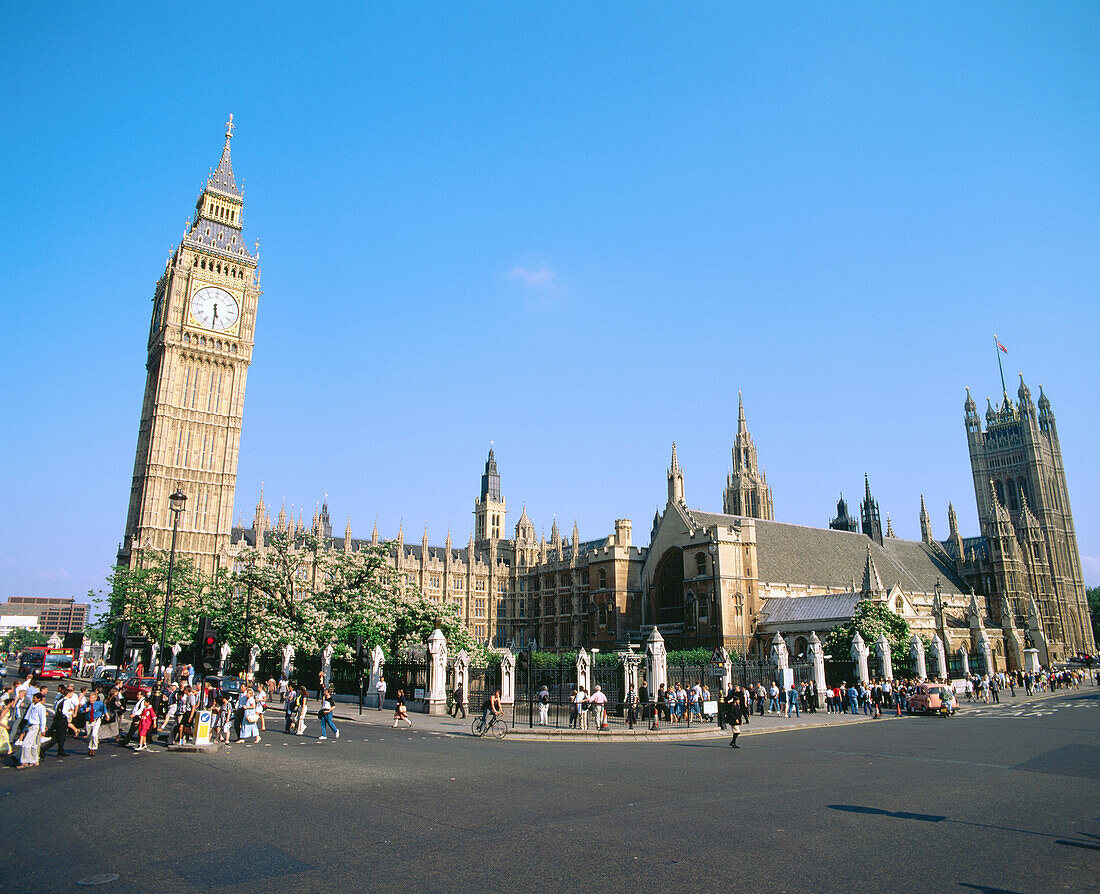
997	351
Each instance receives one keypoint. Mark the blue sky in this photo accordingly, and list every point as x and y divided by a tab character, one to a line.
575	231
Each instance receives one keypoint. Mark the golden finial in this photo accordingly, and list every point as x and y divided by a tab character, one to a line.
229	128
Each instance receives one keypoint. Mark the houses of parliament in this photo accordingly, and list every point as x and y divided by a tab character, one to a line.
732	578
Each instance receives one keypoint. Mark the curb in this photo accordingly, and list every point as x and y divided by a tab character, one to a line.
212	748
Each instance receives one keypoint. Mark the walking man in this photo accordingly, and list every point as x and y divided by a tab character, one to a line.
380	688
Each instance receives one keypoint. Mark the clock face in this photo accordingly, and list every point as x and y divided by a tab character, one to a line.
214	308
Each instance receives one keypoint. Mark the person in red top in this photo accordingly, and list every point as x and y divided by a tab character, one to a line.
148	721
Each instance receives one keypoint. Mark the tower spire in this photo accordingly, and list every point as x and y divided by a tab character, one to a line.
925	522
747	492
675	479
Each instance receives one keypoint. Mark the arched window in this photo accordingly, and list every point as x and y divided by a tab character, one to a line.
603	579
999	488
700	564
1010	486
898	605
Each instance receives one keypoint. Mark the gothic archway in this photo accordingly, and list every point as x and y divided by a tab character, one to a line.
670	588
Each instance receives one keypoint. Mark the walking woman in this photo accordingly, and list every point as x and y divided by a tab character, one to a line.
300	709
249	728
401	711
95	720
735	727
325	713
5	724
34	727
261	705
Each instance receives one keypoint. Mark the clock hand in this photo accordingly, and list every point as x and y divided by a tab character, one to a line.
214	321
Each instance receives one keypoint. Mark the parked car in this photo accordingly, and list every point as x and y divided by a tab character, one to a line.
105	677
132	687
228	686
932	698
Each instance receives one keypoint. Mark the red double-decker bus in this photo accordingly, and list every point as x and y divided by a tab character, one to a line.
46	663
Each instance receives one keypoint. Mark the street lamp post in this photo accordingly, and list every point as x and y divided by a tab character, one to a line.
176	503
717	618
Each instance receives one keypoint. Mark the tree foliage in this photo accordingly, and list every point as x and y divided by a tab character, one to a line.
20	637
870	618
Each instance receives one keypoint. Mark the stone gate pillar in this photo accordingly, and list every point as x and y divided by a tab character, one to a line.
940	656
630	663
725	672
326	663
176	647
964	657
288	660
435	699
508	678
253	660
916	649
377	659
656	661
784	676
859	652
885	655
462	676
817	657
584	671
225	658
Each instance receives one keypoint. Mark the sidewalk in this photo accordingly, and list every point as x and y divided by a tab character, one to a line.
668	732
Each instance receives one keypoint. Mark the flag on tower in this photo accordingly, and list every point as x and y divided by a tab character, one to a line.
999	345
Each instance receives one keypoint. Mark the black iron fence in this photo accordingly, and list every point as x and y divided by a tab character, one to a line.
837	672
409	676
483	682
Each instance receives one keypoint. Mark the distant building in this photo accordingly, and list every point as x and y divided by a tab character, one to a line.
53	615
8	623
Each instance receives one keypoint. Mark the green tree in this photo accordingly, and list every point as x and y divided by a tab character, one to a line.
870	618
137	594
21	637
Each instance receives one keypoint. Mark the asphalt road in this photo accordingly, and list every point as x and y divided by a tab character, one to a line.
998	800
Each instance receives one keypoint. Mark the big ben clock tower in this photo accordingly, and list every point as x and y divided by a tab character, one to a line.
200	347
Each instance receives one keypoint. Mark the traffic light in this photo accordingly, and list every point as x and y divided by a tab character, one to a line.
118	647
206	647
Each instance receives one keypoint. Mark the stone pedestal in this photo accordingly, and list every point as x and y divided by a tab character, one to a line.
916	649
1031	661
377	660
508	678
435	699
656	662
859	653
176	647
817	658
326	663
584	671
885	656
940	656
253	660
964	658
462	677
288	660
225	658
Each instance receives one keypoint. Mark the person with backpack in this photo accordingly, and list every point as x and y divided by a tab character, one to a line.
544	706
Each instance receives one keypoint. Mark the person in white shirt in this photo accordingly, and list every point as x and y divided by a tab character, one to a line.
63	712
32	735
598	702
380	688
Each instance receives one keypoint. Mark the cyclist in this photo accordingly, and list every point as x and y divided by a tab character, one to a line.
491	706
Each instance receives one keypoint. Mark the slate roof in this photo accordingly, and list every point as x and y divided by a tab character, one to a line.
221	178
792	609
823	557
220	238
970	544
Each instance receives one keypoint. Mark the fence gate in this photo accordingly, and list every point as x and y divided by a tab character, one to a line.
837	672
559	680
753	673
408	676
484	681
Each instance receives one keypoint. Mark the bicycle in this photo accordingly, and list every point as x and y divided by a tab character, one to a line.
497	726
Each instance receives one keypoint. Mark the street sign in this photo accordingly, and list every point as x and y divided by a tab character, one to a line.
717	657
202	728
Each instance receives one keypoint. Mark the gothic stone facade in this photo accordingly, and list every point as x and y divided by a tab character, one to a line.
729	579
555	594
